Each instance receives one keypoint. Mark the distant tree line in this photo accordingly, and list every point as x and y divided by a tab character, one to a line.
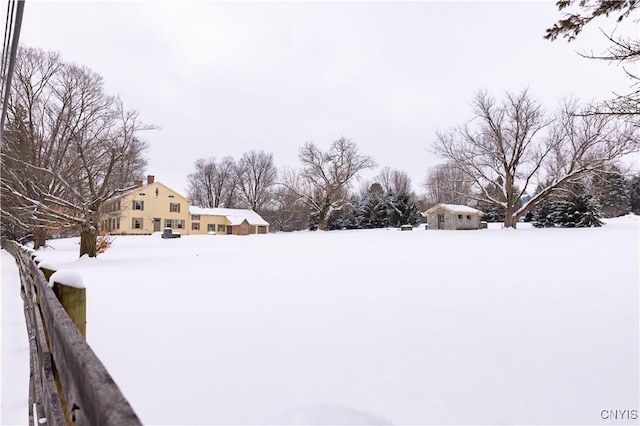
69	148
317	195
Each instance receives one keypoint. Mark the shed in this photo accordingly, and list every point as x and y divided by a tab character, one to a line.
453	217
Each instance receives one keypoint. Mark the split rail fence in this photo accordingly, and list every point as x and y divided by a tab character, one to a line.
68	384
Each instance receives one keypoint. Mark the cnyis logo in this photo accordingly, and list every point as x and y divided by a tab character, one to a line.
619	414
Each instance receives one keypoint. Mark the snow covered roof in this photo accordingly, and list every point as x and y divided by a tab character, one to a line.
454	208
235	216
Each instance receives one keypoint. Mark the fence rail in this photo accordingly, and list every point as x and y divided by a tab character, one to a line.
68	384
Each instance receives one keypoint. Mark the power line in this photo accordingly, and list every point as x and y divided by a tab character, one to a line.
5	46
16	25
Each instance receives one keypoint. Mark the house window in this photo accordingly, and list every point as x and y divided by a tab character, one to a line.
221	228
195	226
117	223
157	192
136	223
168	223
211	227
138	205
459	216
195	217
179	223
468	217
174	207
441	218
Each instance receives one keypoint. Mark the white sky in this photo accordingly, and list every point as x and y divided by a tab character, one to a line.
222	78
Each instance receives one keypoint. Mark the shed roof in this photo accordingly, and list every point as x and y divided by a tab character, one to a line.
454	208
235	216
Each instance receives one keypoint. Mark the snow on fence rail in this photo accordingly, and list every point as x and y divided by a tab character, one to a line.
68	383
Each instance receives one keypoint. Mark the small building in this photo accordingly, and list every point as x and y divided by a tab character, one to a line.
453	217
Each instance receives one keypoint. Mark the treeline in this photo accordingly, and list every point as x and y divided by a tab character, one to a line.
68	148
319	194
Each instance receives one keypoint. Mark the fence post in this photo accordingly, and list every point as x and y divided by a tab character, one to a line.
74	302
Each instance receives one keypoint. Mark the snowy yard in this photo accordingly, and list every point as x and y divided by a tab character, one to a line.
370	327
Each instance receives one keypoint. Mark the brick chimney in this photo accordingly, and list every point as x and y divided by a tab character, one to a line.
138	184
150	179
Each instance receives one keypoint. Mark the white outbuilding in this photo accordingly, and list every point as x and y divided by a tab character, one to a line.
453	217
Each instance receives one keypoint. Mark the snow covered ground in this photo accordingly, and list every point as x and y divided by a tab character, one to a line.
527	326
14	395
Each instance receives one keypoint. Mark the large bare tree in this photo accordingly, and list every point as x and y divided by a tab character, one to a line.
447	183
325	177
213	183
394	181
508	147
256	177
68	148
284	211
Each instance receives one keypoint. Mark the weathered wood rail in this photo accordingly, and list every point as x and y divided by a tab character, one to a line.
68	384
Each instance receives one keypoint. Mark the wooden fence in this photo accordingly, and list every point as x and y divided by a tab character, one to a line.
68	384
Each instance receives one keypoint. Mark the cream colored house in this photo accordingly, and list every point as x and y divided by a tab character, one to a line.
153	207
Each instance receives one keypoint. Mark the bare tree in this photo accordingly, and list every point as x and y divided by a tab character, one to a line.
284	211
69	147
256	178
323	182
447	183
508	147
213	184
394	181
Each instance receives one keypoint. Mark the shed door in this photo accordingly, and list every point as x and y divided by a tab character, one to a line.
440	221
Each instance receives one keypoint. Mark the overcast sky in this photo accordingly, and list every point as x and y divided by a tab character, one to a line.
222	78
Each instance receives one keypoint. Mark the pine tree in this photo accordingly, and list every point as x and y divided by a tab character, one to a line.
587	212
401	210
613	193
634	194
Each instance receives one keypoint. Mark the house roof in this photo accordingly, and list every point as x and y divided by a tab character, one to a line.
146	187
235	216
454	208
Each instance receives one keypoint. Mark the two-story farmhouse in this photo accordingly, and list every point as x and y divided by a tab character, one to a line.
153	207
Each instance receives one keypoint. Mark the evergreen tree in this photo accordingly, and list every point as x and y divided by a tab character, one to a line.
634	194
541	215
612	191
370	211
401	210
581	211
342	218
587	212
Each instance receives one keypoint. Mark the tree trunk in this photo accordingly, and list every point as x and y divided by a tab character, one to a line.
323	217
510	219
39	237
88	240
